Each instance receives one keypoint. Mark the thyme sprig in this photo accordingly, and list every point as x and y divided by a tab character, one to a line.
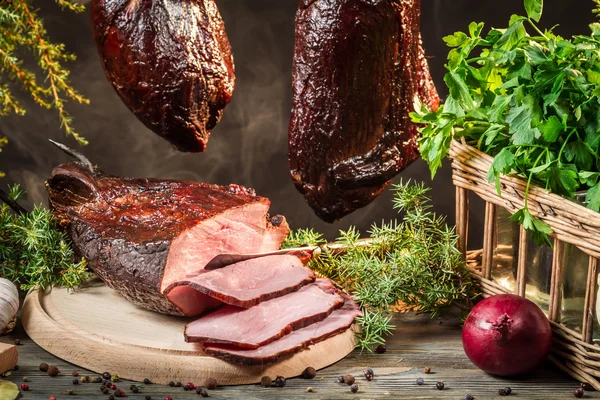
414	262
34	252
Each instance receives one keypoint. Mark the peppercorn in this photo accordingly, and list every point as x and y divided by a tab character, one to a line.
114	378
113	386
340	379
17	342
147	397
266	381
369	371
309	373
186	388
369	377
578	393
111	397
191	385
468	396
75	381
280	381
52	398
24	387
168	398
121	393
135	389
309	389
53	371
354	388
171	383
102	387
508	391
349	379
70	391
84	379
105	391
381	349
44	367
211	383
420	381
178	384
16	367
25	379
74	373
587	387
369	374
202	392
427	370
98	380
147	381
502	392
440	385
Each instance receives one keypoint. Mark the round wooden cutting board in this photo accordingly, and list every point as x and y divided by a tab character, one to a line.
97	329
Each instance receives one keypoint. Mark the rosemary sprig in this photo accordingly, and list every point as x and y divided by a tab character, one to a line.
34	252
413	264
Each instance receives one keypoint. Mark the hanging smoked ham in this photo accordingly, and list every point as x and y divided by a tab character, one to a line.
170	61
358	65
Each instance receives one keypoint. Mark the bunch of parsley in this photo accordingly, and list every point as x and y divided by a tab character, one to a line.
528	97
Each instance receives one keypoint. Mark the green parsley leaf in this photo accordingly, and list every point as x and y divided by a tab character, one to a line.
534	9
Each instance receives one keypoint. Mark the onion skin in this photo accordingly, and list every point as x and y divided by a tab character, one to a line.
506	335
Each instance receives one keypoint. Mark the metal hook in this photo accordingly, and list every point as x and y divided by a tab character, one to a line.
74	153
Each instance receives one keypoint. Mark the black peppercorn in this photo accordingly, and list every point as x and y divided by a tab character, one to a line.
369	377
135	389
148	397
420	381
147	381
186	388
440	385
587	387
369	374
17	342
578	393
75	381
280	381
349	379
106	375
98	380
381	349
111	397
502	392
211	383
53	371
171	383
309	373
340	379
369	371
354	388
178	384
105	391
16	368
44	367
202	392
469	396
508	391
266	381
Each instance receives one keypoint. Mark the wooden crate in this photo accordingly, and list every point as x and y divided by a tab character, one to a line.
574	352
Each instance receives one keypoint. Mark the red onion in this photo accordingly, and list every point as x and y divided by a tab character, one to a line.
506	335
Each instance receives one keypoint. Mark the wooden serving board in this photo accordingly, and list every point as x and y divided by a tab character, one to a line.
97	329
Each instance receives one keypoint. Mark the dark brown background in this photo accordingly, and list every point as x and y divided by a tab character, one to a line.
249	146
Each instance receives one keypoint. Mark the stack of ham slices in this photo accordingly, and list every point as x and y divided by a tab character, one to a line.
151	239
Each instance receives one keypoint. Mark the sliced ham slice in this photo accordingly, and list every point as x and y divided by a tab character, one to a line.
337	322
268	321
247	283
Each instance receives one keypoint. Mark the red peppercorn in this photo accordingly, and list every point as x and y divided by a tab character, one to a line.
75	373
113	386
24	386
168	398
191	385
52	398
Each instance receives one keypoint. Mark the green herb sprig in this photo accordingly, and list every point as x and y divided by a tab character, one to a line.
414	262
528	97
34	251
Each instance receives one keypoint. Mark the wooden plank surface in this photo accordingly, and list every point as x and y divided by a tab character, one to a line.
418	342
135	343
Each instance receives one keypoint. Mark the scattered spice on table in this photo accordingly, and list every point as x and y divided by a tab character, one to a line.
84	379
44	367
114	378
349	379
98	380
178	384
309	373
578	393
440	385
75	381
53	371
280	381
24	386
369	374
427	370
52	398
340	379
309	389
381	349
148	398
171	384
354	388
420	381
17	342
106	375
266	381
16	367
70	391
469	396
147	381
74	373
587	387
25	379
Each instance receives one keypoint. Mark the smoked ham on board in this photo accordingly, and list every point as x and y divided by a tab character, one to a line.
358	67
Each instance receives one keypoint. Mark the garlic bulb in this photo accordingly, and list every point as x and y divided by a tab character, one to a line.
9	305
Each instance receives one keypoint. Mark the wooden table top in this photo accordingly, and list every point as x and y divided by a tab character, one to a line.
418	342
